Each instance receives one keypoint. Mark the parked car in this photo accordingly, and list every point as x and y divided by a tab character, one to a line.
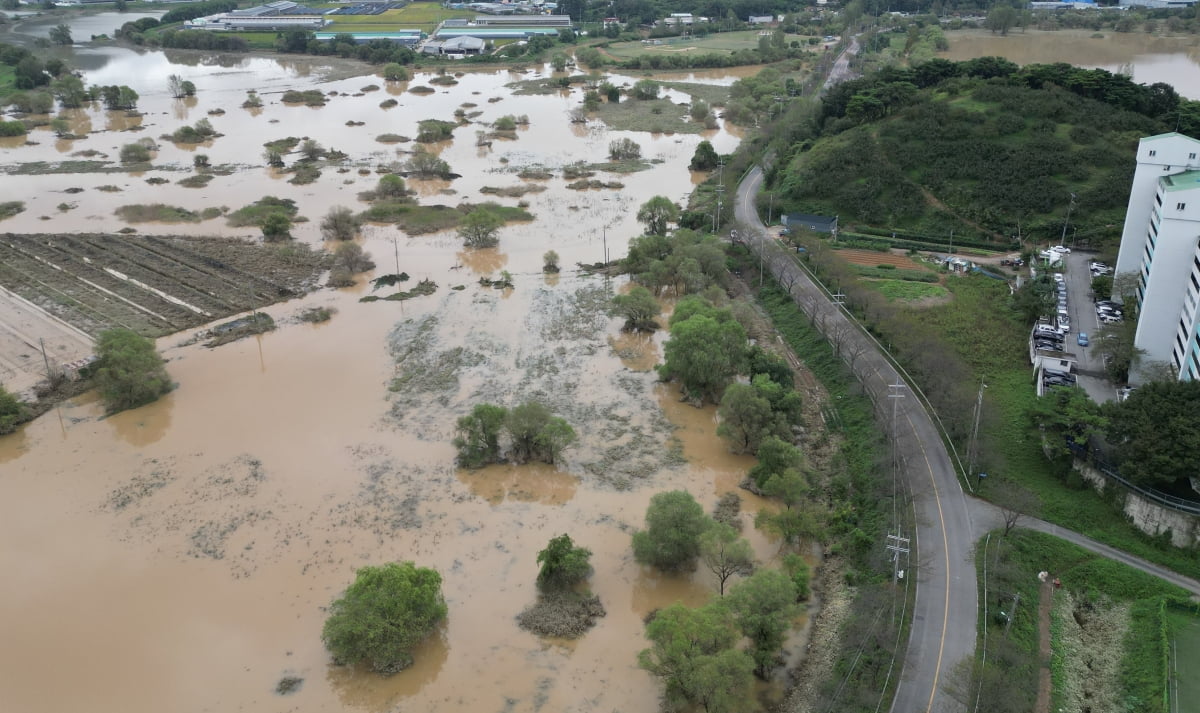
1110	319
1064	323
1063	249
1082	339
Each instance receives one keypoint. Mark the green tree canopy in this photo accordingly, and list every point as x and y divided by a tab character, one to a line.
763	607
275	227
61	35
705	158
639	308
383	615
537	434
12	412
563	564
657	214
1155	432
478	439
746	418
129	372
775	456
693	652
704	355
674	524
725	554
479	229
1068	415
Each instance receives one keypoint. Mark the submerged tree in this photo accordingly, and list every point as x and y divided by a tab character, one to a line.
478	439
563	564
725	554
129	371
480	228
674	524
693	652
383	615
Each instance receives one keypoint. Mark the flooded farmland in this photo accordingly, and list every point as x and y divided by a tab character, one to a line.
179	556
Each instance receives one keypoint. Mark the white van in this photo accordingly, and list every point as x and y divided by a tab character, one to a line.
1064	322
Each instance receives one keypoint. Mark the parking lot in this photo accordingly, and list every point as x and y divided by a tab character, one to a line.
1082	309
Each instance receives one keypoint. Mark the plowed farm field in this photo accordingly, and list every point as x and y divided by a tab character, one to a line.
871	258
57	292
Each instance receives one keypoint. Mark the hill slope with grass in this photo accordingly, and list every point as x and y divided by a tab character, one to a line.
983	149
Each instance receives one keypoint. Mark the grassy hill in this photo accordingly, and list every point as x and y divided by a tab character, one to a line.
976	156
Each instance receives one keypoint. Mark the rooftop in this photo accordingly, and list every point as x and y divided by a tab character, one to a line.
1171	135
1186	181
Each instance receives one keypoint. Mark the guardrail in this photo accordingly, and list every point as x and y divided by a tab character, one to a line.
1094	456
760	244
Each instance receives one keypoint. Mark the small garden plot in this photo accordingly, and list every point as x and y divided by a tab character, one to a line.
907	291
872	258
1185	661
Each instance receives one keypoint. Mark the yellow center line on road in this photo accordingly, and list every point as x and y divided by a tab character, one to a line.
945	553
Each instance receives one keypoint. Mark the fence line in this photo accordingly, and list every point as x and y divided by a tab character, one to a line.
891	359
1095	456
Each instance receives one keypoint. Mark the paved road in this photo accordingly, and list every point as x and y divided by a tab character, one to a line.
948	521
841	66
24	329
944	615
987	517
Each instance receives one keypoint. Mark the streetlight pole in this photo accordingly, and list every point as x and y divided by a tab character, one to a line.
975	429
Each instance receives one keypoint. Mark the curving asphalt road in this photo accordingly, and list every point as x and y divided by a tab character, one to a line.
944	614
948	522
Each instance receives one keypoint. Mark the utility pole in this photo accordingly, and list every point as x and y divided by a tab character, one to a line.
895	393
770	206
897	545
396	250
720	190
951	251
46	359
604	237
975	430
1070	207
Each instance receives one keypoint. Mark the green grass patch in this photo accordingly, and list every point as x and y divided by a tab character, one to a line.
1097	584
883	272
10	208
200	180
308	97
713	94
1184	632
660	116
8	80
906	291
157	212
258	211
421	219
282	145
418	15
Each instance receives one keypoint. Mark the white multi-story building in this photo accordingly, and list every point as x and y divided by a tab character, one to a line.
1161	244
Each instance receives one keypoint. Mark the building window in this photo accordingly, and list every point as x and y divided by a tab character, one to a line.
1152	153
1180	206
1191	157
1166	168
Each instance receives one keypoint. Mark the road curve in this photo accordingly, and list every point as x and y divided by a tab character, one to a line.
945	612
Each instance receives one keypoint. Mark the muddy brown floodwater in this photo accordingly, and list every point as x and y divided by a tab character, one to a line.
179	556
1147	58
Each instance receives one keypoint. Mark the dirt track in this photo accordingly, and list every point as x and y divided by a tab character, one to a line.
64	289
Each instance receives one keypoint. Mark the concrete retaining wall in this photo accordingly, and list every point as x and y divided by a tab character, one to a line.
1147	515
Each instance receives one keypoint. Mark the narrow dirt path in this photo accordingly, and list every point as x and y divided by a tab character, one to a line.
1045	601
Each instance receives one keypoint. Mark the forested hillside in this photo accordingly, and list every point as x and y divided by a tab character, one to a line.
983	148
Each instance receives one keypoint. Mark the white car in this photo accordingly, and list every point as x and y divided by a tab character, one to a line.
1060	249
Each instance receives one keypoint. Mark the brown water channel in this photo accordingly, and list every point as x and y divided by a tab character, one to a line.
178	557
1149	58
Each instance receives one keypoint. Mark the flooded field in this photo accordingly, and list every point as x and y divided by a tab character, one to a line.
179	556
1147	58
